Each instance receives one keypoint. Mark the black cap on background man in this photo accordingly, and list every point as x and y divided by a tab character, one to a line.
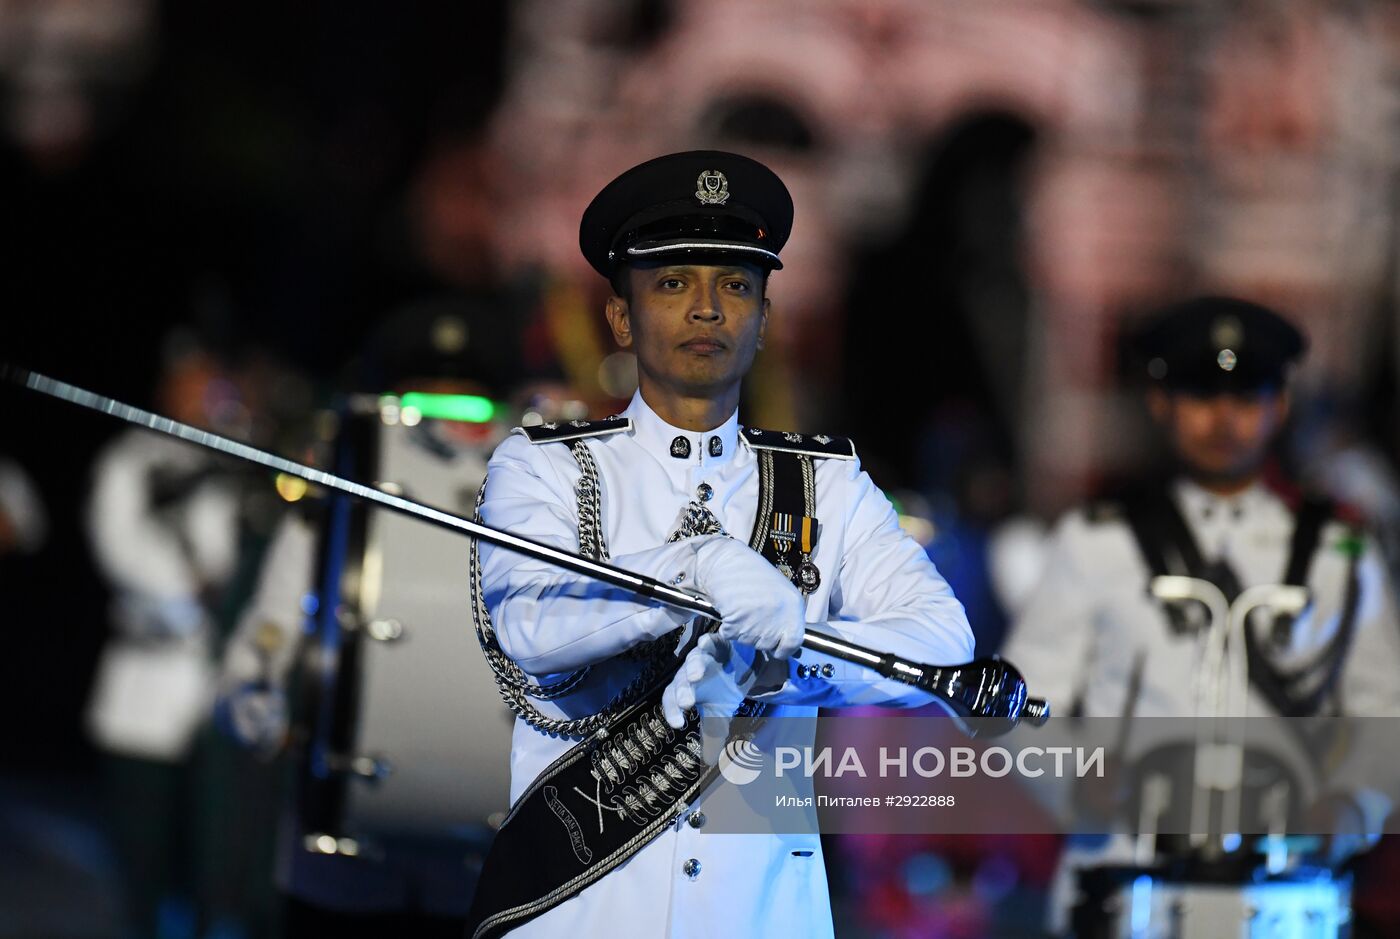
1220	345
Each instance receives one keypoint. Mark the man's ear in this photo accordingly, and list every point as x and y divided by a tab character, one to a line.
1159	405
620	320
763	321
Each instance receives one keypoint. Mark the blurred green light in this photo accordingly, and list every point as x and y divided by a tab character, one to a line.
471	408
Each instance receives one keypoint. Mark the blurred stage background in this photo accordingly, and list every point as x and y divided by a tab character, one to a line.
989	196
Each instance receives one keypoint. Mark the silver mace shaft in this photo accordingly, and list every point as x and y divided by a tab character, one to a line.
988	688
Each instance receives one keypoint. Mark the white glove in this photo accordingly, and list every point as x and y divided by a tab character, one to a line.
760	607
712	678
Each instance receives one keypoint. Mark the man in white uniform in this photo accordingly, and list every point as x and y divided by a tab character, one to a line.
671	489
1094	641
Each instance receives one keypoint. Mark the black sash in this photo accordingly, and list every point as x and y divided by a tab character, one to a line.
1168	547
612	793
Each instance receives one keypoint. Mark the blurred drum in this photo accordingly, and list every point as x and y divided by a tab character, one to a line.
1145	903
430	755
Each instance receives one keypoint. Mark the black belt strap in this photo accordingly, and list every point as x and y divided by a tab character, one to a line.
611	794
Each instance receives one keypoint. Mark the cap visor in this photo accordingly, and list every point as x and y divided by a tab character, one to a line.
752	253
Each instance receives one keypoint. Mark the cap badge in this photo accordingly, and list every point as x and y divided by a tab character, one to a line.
711	188
1227	359
1227	332
449	335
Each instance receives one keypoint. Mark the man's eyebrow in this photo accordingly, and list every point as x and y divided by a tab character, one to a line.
725	270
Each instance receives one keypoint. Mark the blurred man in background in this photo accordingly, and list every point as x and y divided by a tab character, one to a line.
1092	638
166	523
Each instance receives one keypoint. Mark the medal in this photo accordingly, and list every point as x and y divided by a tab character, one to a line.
796	535
783	532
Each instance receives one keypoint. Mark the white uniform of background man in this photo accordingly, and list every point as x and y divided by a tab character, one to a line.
689	301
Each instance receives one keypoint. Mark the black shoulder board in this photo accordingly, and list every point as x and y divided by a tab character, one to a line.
574	430
837	448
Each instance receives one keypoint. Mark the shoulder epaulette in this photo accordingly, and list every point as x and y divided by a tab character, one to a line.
836	448
555	431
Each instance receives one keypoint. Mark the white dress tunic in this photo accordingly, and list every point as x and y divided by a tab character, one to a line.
877	588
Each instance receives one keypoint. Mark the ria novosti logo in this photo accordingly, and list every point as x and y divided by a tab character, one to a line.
741	761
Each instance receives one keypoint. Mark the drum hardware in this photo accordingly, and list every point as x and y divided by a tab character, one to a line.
371	769
385	630
322	843
347	619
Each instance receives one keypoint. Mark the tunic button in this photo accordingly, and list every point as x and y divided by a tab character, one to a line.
705	492
828	670
697	820
691	868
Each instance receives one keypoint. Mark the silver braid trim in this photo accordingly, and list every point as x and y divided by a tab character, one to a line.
764	520
809	484
618	764
658	657
588	492
511	680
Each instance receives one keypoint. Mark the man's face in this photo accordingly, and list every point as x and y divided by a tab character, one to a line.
693	327
1222	437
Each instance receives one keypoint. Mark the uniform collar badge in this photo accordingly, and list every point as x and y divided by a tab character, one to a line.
680	448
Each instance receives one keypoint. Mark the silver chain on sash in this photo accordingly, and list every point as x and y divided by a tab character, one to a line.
658	656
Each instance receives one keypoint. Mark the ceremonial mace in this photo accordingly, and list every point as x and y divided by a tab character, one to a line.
990	689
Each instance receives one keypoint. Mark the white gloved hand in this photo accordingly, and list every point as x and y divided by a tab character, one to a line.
712	678
760	607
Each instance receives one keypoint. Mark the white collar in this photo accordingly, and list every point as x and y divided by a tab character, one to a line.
1200	504
675	445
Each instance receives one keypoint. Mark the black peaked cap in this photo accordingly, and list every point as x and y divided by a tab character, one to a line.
1220	345
701	204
